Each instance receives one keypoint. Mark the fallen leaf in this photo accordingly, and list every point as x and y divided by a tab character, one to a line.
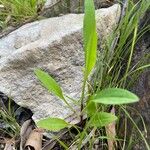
26	129
10	144
34	141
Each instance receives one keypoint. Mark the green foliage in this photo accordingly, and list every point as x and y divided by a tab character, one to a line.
107	96
113	68
91	107
114	96
18	11
90	44
49	83
111	71
101	119
52	124
8	120
114	65
90	36
91	53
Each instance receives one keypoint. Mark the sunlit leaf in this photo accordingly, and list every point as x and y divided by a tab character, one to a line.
101	119
52	124
49	83
114	96
90	36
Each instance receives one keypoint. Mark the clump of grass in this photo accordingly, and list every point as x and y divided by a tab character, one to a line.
115	66
11	128
18	11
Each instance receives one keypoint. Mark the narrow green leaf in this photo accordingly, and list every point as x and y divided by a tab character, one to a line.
91	53
101	119
49	83
64	145
114	96
89	20
52	124
90	36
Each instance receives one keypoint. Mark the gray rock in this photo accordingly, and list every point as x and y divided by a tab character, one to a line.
49	3
54	45
74	6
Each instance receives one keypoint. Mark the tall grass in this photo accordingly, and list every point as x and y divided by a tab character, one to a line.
10	128
17	11
115	66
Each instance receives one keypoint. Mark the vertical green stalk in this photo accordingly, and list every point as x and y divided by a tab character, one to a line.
82	97
90	44
131	53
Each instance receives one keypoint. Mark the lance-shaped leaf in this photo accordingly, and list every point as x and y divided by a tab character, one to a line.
114	96
52	124
101	119
49	83
90	36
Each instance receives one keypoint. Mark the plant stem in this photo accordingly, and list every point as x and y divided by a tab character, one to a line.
70	107
82	96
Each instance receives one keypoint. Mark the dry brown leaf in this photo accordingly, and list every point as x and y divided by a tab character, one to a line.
111	132
35	140
10	144
26	129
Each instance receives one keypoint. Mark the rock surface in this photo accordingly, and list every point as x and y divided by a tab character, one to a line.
74	4
49	3
54	45
56	7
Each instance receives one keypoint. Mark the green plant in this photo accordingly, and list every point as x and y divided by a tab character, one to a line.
90	47
113	69
18	11
8	120
107	68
